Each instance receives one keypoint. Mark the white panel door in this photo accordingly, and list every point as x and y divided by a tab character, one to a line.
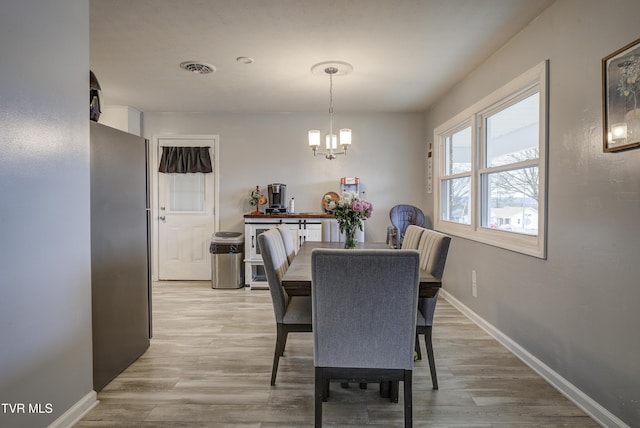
186	219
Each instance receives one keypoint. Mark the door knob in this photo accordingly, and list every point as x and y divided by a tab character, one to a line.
163	218
162	208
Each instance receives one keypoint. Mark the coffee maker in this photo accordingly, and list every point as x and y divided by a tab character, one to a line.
277	197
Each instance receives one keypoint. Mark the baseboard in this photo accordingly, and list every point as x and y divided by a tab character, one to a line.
566	388
76	412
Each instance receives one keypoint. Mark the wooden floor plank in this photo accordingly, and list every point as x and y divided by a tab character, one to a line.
209	365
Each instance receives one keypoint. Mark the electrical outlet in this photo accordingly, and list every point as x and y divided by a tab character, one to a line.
474	284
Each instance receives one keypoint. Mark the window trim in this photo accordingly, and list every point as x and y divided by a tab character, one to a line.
533	80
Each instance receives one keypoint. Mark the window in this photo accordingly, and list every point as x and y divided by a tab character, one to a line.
187	192
456	180
491	168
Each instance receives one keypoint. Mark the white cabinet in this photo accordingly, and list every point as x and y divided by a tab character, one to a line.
302	228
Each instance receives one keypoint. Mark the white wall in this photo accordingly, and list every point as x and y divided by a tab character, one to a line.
387	155
45	291
577	311
124	118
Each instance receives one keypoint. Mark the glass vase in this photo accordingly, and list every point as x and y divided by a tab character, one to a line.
350	236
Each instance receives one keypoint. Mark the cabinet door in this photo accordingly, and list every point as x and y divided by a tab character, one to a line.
253	231
313	232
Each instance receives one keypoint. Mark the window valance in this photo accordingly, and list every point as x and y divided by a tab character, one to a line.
183	160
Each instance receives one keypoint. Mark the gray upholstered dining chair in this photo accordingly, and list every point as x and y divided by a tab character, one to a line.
289	242
293	314
433	249
331	232
364	319
412	237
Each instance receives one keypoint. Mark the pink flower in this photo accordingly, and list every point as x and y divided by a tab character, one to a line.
369	210
351	211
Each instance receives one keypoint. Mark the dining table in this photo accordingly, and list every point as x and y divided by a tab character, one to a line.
297	279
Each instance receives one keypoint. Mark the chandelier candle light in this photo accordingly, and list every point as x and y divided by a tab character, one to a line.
331	141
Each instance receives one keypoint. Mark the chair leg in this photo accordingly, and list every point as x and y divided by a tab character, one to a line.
417	349
431	358
384	389
319	396
408	399
327	389
281	341
394	391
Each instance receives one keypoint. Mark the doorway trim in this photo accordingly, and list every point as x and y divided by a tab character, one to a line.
213	139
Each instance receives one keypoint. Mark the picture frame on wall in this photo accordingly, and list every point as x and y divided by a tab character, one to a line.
621	98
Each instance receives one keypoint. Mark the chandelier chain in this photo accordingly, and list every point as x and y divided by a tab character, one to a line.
331	105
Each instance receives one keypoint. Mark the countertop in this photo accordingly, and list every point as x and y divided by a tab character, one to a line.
295	215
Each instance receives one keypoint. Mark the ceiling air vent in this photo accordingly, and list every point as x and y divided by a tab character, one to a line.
197	67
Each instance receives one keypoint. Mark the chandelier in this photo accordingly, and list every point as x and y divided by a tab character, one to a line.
331	68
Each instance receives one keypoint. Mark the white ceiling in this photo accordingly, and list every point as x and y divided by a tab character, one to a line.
405	53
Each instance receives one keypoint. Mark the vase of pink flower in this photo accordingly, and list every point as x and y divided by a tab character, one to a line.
350	211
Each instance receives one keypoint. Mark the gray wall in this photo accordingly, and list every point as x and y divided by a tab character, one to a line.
577	311
45	301
387	155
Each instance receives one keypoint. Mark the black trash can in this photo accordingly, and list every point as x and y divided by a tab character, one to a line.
227	254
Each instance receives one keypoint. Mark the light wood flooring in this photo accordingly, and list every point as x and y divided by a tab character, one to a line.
210	359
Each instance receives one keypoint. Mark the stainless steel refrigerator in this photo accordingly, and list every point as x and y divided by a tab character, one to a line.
120	251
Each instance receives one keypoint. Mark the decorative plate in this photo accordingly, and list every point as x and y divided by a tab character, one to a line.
334	196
